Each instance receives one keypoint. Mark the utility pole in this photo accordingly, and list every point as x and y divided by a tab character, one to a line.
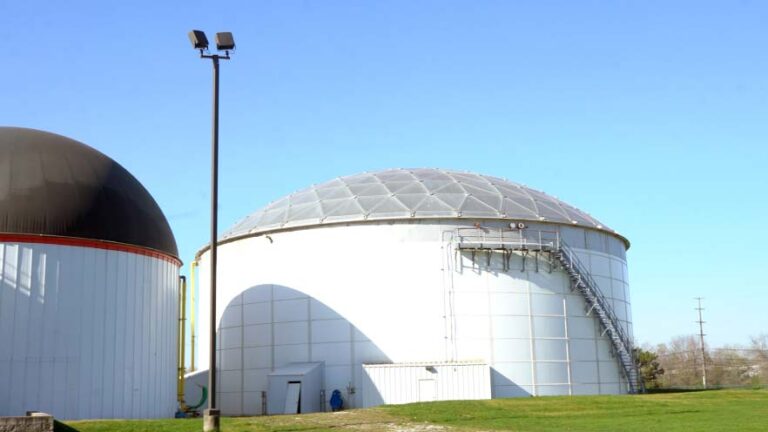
701	340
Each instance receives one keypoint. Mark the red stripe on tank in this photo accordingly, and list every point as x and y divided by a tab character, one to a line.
88	243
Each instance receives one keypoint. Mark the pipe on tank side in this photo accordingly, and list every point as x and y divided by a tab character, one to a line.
181	343
192	336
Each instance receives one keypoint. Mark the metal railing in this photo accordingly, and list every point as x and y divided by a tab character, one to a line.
583	282
488	239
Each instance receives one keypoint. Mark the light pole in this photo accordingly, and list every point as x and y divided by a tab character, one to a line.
224	42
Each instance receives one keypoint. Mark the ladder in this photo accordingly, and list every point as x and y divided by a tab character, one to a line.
488	240
582	281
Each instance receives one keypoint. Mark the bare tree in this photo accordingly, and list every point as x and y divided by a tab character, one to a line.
681	362
728	366
759	350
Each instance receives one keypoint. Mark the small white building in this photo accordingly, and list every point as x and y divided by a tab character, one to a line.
397	383
421	266
296	388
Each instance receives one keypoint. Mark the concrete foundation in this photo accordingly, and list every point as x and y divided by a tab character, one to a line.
211	420
33	422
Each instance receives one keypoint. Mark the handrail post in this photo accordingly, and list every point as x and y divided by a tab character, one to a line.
622	343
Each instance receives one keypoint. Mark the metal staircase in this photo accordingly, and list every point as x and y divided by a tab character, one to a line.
505	241
582	282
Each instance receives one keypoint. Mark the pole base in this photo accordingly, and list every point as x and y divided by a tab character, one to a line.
211	420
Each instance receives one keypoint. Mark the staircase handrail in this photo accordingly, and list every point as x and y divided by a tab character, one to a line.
552	242
602	302
594	288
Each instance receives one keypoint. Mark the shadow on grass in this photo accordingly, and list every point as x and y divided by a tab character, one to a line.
699	389
61	427
677	390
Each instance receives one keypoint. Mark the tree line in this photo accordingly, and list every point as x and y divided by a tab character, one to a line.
678	364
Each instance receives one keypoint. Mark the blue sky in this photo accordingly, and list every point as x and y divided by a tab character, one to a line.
650	115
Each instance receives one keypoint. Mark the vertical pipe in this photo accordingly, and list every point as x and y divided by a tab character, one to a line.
263	402
179	324
182	341
568	361
183	327
214	228
192	336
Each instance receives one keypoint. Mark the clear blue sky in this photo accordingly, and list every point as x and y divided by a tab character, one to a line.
650	115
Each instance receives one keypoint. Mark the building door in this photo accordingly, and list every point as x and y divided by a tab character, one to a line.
293	398
427	390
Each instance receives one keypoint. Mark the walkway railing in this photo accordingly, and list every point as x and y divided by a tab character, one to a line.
506	240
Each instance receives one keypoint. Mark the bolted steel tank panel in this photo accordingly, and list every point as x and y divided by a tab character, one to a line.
87	332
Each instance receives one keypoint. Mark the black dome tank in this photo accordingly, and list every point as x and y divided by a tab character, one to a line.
51	185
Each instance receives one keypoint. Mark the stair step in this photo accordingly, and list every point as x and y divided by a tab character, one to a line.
587	287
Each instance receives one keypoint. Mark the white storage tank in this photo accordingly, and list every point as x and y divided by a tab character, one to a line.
88	285
421	266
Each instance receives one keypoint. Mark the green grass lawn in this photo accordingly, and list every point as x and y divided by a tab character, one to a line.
715	410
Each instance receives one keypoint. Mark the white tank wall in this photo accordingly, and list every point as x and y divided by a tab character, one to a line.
87	333
380	293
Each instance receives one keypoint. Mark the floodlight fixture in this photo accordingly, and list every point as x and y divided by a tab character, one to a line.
225	41
198	39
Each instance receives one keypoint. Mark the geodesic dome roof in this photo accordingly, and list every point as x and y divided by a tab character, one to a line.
411	194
